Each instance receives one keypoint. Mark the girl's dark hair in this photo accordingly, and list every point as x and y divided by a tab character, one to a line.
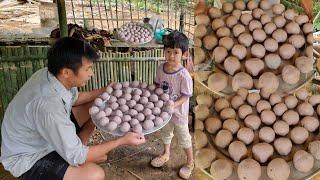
176	39
68	53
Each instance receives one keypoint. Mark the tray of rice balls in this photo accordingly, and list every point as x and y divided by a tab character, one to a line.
136	107
252	136
135	33
254	44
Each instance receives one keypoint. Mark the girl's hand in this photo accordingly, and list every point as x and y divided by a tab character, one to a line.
189	65
176	110
174	105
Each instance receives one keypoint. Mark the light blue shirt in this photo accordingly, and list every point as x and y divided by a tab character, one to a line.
37	122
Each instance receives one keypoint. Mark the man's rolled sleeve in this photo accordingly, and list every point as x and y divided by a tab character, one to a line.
75	95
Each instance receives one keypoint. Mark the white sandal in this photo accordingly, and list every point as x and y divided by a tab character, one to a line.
159	161
186	171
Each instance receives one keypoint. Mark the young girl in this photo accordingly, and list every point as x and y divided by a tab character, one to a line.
174	79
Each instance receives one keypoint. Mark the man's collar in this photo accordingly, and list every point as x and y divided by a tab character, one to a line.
65	94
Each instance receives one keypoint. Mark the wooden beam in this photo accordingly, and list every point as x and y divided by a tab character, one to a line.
62	18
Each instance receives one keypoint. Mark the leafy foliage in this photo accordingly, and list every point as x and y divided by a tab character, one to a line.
316	10
293	4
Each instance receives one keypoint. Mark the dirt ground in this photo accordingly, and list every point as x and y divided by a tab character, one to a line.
16	18
132	163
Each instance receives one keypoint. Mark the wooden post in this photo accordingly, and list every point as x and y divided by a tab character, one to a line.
181	28
62	18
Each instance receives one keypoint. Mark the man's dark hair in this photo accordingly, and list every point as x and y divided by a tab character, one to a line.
68	53
176	39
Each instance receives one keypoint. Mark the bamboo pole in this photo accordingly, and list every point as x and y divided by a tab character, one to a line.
62	18
105	9
74	16
101	23
83	16
130	10
92	14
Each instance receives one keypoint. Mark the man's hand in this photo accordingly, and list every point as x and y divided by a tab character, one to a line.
90	96
133	139
98	153
102	159
111	83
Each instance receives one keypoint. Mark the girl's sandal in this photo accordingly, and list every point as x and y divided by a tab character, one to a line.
159	161
185	171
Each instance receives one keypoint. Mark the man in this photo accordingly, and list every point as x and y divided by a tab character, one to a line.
46	126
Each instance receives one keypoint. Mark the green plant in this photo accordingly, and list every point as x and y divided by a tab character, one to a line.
316	15
293	4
